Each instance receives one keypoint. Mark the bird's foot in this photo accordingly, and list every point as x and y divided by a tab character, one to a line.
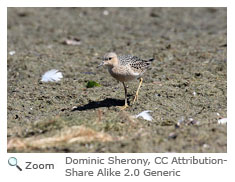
135	99
123	107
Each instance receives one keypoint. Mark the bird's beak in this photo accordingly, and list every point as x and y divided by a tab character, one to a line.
101	64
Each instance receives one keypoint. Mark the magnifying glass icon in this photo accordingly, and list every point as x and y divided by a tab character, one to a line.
12	161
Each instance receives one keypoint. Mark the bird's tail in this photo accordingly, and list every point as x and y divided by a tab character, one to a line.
148	62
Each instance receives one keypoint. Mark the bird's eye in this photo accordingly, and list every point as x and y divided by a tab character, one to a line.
110	58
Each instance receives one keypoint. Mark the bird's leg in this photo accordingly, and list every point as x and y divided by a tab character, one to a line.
137	92
126	105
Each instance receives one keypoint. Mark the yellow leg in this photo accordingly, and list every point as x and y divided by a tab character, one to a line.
126	105
137	92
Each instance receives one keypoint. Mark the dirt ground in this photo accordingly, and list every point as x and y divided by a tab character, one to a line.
186	87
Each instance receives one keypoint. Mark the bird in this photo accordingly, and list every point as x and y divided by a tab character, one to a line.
125	68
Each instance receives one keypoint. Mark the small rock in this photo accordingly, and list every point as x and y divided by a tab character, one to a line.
105	12
73	41
206	146
12	53
172	135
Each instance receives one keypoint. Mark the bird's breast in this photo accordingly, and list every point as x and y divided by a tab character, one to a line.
122	74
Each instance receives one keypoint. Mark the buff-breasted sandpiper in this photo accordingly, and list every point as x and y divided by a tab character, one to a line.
126	68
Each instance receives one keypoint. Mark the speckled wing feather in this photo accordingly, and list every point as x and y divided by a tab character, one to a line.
125	59
137	64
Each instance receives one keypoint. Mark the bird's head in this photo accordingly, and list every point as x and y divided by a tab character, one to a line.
109	60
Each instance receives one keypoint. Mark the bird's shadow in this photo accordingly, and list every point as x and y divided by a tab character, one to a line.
108	102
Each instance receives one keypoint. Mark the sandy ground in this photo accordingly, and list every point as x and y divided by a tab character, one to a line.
186	87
